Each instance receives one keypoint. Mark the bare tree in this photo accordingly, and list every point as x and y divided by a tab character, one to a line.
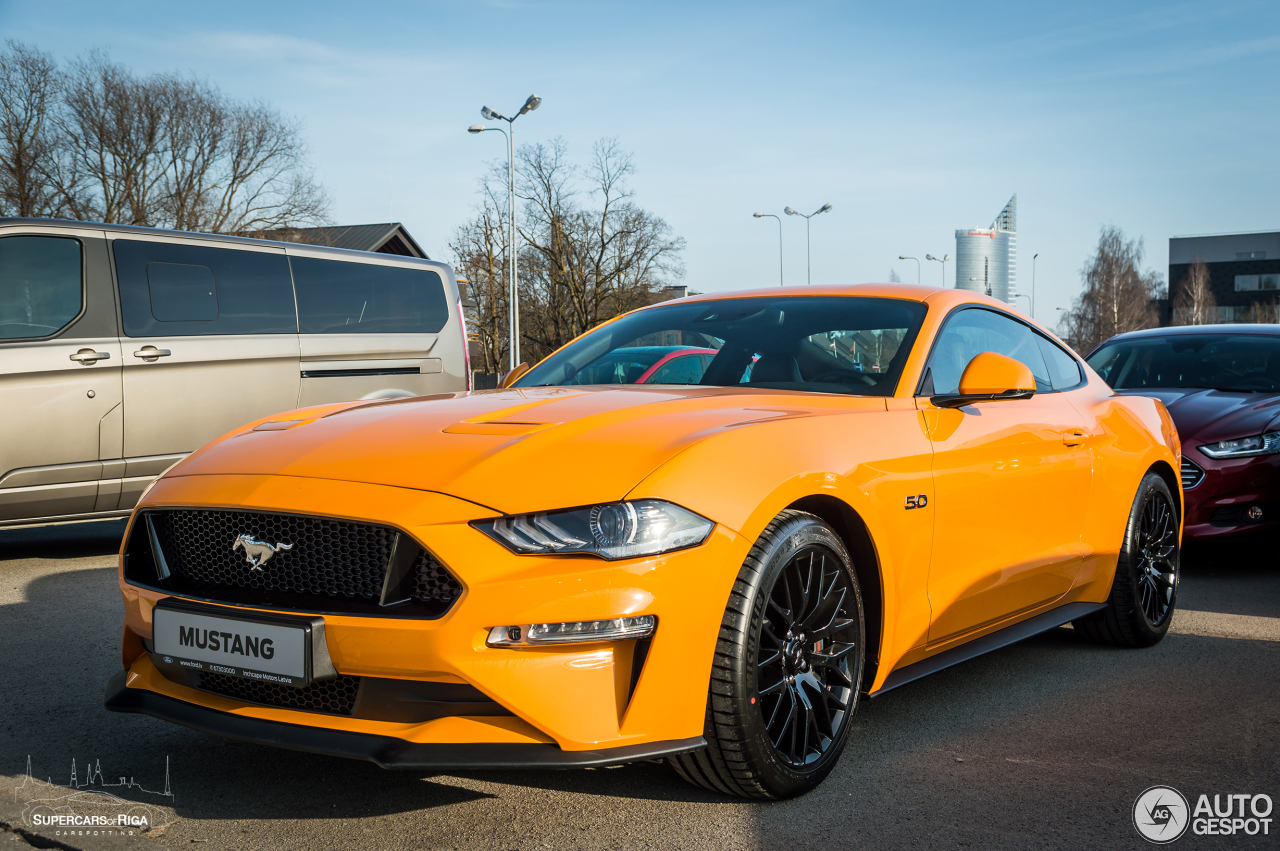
29	90
1195	304
100	143
1267	312
893	276
480	251
586	262
589	252
1117	295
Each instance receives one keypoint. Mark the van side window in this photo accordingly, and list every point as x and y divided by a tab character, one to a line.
1064	371
973	331
182	293
337	297
40	285
169	289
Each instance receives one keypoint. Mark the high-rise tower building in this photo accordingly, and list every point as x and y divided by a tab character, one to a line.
987	258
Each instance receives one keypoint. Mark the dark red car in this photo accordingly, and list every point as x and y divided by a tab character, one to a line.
1221	384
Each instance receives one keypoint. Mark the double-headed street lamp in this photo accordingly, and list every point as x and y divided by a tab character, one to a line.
905	257
943	260
808	259
781	282
514	296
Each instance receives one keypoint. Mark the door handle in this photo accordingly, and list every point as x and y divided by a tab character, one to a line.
150	353
88	356
1074	438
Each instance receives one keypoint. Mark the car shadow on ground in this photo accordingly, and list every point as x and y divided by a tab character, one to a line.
73	540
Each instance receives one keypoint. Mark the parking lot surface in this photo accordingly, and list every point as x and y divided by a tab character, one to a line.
1045	744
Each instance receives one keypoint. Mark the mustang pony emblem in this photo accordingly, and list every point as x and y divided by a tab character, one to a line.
256	552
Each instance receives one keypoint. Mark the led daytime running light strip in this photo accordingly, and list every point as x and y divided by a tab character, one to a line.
573	632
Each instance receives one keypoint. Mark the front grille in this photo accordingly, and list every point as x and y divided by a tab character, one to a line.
351	557
1192	475
336	566
331	697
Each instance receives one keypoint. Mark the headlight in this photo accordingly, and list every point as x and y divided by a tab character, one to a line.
643	527
1244	447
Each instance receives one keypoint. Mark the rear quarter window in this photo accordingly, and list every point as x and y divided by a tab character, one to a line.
1064	370
343	297
170	289
40	285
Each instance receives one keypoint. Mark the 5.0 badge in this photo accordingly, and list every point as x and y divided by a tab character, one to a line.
917	501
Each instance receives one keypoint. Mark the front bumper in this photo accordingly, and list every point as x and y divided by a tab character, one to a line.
385	751
574	699
1216	505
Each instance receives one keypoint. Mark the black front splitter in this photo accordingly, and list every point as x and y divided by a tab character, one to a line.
385	751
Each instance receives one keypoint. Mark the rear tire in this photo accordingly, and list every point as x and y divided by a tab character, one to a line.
1144	592
785	680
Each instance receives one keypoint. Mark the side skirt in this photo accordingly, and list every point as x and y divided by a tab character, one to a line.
994	641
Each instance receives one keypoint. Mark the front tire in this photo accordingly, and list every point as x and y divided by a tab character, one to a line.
785	681
1145	590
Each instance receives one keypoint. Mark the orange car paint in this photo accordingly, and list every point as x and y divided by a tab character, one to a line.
1027	503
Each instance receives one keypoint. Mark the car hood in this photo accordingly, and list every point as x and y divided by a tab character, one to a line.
511	450
1207	416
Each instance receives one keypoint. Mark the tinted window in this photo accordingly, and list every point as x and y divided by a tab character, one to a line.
40	288
168	289
685	370
822	344
335	297
974	331
1064	370
182	293
1240	362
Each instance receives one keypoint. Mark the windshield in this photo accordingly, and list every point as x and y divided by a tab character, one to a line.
821	344
1239	362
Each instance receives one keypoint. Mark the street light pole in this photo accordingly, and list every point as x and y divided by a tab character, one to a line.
807	253
905	257
513	297
1033	285
943	260
781	282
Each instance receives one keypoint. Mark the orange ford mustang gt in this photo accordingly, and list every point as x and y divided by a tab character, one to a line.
863	485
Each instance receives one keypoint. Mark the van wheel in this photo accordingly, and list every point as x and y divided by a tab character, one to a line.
1145	590
784	684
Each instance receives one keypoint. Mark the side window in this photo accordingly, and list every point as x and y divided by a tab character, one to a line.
40	285
1064	372
169	289
685	370
181	293
337	297
973	331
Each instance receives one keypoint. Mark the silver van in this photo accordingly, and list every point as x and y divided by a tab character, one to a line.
122	349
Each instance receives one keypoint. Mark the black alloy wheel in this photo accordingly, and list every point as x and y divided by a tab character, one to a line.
1157	550
786	676
804	681
1144	592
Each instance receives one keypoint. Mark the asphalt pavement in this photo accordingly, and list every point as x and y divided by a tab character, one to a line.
1046	744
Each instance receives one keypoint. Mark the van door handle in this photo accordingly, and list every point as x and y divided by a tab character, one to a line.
151	353
88	356
1074	438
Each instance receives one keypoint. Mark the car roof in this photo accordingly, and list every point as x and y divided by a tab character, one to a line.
1259	329
910	292
138	230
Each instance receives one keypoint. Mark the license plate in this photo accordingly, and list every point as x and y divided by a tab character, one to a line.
237	646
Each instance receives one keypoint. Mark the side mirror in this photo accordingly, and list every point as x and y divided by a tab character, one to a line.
989	377
510	377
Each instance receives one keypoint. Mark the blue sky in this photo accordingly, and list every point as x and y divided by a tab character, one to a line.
912	120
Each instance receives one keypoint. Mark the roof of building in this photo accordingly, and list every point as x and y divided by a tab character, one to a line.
384	238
